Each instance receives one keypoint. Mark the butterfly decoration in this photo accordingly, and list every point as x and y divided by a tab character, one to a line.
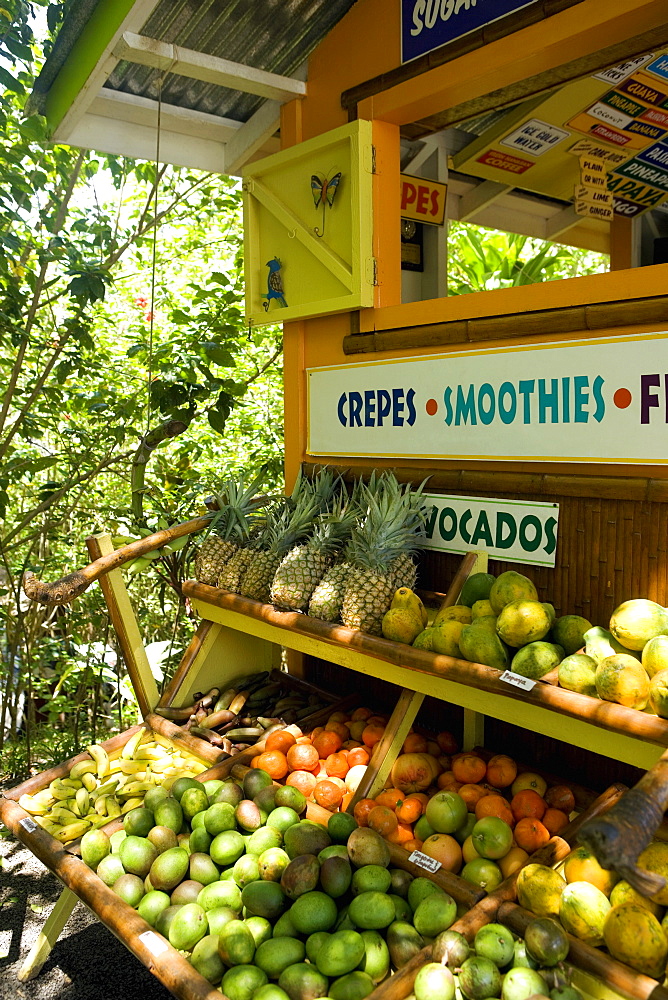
324	191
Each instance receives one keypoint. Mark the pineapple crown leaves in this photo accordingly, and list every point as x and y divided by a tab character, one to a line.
334	527
239	508
392	524
288	522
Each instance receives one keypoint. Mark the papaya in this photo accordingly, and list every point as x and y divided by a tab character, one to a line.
539	889
655	655
634	936
424	640
485	621
521	622
536	659
455	613
655	859
658	694
599	643
481	609
569	631
581	866
635	622
480	645
511	586
624	892
401	625
407	599
476	588
577	672
445	638
582	910
622	679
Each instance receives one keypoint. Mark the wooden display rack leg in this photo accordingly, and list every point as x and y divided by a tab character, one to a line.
48	936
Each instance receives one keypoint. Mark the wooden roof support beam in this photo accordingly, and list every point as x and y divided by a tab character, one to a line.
252	136
209	69
560	222
480	197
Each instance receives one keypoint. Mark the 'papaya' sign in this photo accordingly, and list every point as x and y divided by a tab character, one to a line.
428	24
512	530
598	400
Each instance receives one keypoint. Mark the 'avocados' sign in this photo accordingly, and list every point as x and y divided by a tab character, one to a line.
428	24
512	530
599	400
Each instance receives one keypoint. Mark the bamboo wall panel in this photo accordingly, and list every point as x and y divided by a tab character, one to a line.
608	551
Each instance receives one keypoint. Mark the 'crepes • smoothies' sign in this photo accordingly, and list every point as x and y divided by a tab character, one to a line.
603	400
512	530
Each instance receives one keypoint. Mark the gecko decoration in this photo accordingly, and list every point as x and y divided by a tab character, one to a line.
274	284
323	191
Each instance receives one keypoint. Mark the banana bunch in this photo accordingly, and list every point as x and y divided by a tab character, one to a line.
108	785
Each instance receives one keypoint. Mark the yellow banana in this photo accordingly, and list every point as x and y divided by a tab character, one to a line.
83	767
108	786
72	831
28	803
89	781
132	804
152	753
128	750
61	815
47	824
101	805
60	791
161	766
134	788
113	807
73	806
71	783
132	766
82	799
101	758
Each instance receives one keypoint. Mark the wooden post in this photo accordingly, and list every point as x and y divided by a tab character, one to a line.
125	625
48	936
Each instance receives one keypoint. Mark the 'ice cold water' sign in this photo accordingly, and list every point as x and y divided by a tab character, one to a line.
506	529
575	401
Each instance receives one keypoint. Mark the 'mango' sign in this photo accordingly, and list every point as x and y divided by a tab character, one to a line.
512	530
576	401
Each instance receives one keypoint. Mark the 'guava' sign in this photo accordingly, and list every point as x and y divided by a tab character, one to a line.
512	530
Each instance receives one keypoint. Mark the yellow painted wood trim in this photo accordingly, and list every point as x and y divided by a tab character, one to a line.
329	258
133	645
520	713
388	747
48	936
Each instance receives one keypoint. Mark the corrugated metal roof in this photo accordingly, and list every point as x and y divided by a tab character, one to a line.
273	35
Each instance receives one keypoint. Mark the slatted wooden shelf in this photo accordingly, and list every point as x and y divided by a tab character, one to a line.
608	729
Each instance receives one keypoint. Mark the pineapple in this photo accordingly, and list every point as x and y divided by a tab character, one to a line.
229	528
389	532
327	598
305	565
285	527
234	569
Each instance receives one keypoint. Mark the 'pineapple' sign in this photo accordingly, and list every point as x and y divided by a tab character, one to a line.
512	530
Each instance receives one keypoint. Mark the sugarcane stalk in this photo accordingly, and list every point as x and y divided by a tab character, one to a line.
66	589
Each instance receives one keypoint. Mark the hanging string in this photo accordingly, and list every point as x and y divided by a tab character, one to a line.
154	257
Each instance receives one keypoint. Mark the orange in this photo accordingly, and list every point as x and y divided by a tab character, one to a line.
327	742
337	765
448	782
305	781
447	742
469	852
554	820
501	771
472	794
560	797
445	849
303	757
382	820
528	803
274	763
390	797
512	861
279	740
531	834
362	810
339	782
468	768
346	800
401	835
254	761
338	717
433	748
316	732
494	805
409	811
412	845
414	743
358	755
327	794
372	734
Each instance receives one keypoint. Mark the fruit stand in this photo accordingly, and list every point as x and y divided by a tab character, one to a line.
536	411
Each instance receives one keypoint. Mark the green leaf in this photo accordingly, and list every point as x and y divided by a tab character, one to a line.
218	355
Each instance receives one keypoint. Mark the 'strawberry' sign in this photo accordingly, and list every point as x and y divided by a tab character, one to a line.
599	400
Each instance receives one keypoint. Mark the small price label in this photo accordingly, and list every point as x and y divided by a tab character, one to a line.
28	824
424	861
153	942
523	683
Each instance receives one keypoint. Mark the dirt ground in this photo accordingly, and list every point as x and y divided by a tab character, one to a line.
87	963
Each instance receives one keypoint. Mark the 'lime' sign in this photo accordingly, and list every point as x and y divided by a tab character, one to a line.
512	530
